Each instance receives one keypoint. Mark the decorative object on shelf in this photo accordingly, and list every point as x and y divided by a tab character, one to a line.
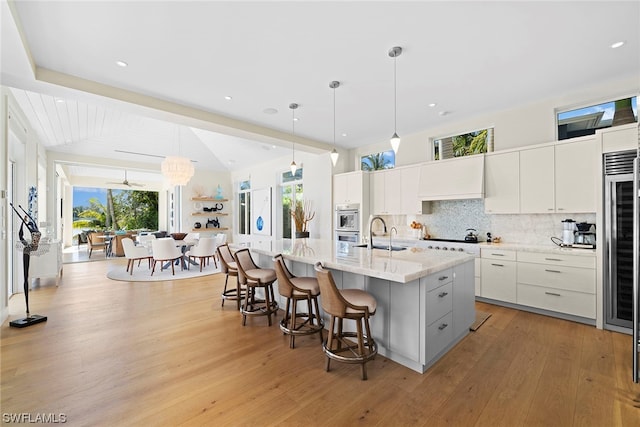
197	225
219	192
178	170
28	248
213	223
302	214
334	153
294	167
394	52
198	191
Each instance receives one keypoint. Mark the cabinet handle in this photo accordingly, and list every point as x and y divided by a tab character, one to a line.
497	254
554	294
441	327
497	265
549	209
553	259
552	271
443	294
443	277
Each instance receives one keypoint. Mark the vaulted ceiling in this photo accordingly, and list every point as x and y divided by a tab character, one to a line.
184	58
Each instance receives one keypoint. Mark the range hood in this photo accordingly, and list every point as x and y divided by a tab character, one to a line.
452	179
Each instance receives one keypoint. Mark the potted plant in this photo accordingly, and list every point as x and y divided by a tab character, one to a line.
301	215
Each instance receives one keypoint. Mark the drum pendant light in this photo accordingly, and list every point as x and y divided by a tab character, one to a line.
294	167
334	153
394	52
178	170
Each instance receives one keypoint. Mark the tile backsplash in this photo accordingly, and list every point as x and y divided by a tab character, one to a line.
451	218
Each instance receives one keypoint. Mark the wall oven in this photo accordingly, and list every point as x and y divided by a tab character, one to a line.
348	218
348	236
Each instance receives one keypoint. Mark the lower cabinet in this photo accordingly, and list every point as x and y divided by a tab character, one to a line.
498	274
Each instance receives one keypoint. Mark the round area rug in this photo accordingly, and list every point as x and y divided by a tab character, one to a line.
143	274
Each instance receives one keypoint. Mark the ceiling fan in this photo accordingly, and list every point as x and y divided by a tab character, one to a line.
126	182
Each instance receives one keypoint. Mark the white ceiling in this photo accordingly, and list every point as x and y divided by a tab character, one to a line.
471	58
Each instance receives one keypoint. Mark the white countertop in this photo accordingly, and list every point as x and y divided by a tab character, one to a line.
539	248
397	266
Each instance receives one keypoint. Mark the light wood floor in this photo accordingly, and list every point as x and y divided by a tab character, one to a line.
166	353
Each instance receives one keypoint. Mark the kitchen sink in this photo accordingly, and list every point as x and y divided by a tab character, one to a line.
386	248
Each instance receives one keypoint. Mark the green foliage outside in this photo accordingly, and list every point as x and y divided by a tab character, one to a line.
125	210
374	162
470	143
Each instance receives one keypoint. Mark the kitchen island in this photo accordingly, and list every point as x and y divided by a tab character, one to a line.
425	298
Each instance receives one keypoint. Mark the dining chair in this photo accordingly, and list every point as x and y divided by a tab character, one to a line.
95	243
204	251
134	253
166	250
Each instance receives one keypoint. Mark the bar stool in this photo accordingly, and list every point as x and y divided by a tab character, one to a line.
296	289
229	267
253	277
343	304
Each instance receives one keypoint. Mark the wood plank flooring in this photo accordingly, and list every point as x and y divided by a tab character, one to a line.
167	354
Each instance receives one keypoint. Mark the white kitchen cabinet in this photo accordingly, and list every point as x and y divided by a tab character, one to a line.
411	203
576	176
463	298
498	274
502	182
404	338
386	192
561	283
349	187
536	180
619	138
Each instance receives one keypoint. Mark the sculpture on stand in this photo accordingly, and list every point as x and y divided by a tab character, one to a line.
28	248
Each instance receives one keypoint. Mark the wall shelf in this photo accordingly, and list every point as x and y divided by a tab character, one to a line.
208	199
208	214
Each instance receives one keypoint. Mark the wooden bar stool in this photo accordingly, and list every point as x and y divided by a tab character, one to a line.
253	277
343	304
296	289
229	267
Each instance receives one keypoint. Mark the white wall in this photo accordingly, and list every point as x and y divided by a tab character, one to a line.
317	189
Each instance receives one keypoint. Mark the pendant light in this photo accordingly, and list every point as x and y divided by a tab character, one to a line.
334	153
394	52
294	167
177	169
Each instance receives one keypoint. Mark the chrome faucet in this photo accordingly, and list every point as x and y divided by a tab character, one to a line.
391	234
384	224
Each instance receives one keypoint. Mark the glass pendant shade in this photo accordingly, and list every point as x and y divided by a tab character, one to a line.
294	167
395	142
178	170
334	156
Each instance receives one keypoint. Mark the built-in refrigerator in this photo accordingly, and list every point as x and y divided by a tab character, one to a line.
622	246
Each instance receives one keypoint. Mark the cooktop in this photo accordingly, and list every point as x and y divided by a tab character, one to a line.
451	240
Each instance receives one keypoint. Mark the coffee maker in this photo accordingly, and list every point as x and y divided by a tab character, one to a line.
568	229
585	236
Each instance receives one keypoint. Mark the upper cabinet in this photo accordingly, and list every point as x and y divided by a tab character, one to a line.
559	178
619	138
502	182
386	192
459	178
351	187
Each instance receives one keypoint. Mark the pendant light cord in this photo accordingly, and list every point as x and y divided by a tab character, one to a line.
293	133
334	116
395	97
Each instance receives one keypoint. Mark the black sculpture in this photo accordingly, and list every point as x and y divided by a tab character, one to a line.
28	247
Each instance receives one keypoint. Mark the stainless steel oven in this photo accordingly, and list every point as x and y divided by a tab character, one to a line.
348	236
348	218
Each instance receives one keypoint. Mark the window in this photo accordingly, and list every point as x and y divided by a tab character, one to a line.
377	161
244	207
586	120
465	144
291	193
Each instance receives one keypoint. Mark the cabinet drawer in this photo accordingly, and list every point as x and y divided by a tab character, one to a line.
438	279
558	277
498	254
439	335
560	300
499	280
439	302
567	260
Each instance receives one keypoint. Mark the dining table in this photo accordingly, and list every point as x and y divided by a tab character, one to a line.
184	245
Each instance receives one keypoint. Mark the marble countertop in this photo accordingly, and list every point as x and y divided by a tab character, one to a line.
396	266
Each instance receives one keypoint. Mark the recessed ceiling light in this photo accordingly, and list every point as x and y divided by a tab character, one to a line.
433	104
295	119
228	98
270	111
344	134
617	45
121	64
60	101
443	113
